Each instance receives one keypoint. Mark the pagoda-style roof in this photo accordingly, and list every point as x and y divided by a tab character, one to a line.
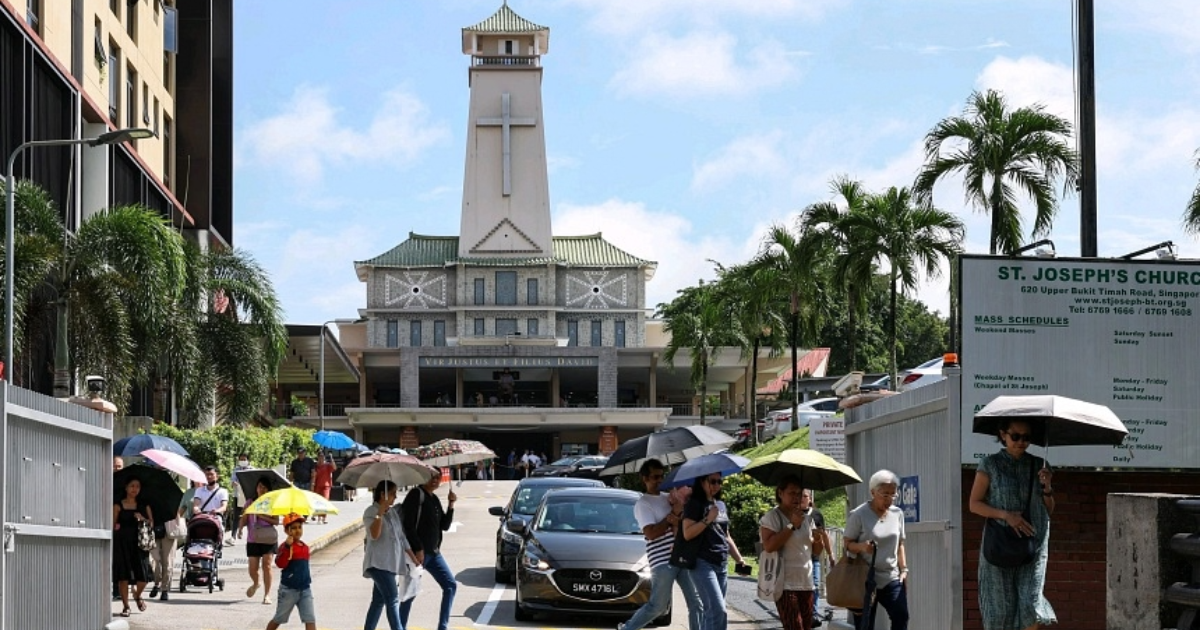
442	251
505	21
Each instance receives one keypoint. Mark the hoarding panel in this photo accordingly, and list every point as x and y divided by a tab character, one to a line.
1125	334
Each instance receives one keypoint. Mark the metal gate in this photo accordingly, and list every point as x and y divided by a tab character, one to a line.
917	434
56	506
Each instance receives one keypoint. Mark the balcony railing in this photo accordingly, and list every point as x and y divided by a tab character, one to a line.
338	410
525	61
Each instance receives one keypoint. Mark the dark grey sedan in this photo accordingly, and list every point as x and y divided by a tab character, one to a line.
583	553
521	506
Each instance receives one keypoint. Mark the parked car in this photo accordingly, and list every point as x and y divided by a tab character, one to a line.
820	404
583	553
883	383
520	508
922	375
586	466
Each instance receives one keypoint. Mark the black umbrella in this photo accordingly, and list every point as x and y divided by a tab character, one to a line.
248	480
134	445
671	446
159	489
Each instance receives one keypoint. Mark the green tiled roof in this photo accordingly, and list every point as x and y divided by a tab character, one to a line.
439	251
505	20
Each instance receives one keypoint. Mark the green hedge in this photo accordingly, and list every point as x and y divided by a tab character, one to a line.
221	445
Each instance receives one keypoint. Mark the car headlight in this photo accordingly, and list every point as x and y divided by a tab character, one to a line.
509	536
534	563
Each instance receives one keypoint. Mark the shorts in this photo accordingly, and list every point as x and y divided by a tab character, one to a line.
287	599
258	550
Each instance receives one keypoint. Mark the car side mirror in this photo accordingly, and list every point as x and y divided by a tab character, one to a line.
516	526
496	511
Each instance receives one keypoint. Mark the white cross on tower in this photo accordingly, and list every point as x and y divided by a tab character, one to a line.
506	122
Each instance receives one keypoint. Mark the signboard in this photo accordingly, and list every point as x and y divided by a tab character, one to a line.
507	362
1122	333
608	440
827	434
908	498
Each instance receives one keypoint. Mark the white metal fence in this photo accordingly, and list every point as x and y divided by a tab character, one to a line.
56	506
914	434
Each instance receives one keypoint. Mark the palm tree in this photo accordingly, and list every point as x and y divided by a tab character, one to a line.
827	222
1191	214
1005	153
748	295
695	320
798	266
37	250
912	239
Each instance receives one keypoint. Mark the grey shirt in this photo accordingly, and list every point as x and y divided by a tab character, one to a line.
862	524
387	551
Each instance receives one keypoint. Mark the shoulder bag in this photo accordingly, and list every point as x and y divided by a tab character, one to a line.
146	540
1003	546
770	573
684	552
846	584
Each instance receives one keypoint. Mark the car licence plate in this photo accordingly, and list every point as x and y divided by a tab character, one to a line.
583	588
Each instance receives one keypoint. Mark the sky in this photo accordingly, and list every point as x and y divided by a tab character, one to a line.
683	129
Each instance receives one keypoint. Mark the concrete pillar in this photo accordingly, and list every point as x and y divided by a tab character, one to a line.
362	383
654	380
555	401
458	387
1141	564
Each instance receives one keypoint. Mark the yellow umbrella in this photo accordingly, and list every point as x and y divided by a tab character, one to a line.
815	470
291	500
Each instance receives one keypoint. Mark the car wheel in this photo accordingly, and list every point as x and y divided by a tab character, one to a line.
664	620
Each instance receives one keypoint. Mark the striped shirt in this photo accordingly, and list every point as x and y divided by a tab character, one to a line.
651	509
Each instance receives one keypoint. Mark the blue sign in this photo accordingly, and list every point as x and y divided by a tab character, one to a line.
908	498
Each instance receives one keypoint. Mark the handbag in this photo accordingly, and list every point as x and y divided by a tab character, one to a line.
684	552
146	540
846	584
409	584
176	529
1003	547
770	574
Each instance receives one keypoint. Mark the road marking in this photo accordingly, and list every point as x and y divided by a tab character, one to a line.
485	616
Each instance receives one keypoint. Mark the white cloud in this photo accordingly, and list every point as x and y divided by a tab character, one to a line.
756	156
307	135
1029	80
1175	19
936	49
622	17
682	254
702	64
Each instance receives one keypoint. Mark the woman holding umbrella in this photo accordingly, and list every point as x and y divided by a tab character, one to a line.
130	562
704	515
262	541
788	529
1012	598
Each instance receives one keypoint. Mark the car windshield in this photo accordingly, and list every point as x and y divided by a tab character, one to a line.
566	461
599	515
528	499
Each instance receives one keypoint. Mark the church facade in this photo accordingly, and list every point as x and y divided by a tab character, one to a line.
507	333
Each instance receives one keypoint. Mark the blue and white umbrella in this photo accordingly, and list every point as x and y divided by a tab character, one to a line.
724	463
333	440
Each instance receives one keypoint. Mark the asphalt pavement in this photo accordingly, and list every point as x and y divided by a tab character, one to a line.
342	594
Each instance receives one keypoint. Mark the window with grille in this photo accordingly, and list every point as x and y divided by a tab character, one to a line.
572	333
114	83
506	288
531	327
597	332
131	97
439	333
531	292
619	333
480	291
414	334
506	327
480	327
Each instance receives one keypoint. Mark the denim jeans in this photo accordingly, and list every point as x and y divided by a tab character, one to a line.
710	581
662	581
436	568
816	562
384	597
894	599
287	599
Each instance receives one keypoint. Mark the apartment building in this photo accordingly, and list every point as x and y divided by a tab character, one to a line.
78	68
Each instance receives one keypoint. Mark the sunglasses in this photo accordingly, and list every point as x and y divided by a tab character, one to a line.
715	482
1020	437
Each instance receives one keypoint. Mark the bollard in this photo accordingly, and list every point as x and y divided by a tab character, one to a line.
1187	595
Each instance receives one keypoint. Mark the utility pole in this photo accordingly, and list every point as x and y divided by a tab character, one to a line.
1086	70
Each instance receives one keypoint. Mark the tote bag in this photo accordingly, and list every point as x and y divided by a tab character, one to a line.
176	529
846	584
146	540
770	576
684	552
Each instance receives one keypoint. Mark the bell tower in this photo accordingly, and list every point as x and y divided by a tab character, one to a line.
506	191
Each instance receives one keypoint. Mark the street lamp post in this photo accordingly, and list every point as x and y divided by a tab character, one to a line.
111	137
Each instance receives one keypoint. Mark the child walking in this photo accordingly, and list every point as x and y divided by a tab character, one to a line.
295	581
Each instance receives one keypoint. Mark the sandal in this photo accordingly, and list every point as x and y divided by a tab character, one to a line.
140	604
125	612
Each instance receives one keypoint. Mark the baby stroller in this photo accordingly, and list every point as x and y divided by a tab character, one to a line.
202	553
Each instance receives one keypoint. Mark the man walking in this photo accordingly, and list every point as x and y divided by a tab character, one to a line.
424	522
659	517
302	469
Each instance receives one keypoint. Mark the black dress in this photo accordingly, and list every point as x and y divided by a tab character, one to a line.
130	563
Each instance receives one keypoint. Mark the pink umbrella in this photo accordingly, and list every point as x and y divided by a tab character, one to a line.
175	463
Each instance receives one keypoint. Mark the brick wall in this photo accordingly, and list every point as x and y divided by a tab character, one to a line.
1076	573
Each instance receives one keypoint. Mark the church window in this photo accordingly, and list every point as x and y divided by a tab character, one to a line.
393	333
531	291
506	288
531	327
480	291
439	332
597	332
572	333
480	327
619	333
414	334
506	327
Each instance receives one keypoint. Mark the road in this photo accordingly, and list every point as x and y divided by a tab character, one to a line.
342	594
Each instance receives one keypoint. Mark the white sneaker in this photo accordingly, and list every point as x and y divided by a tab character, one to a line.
267	599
